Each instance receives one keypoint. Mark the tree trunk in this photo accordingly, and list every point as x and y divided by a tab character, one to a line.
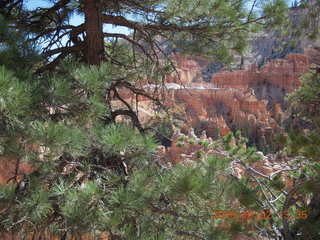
94	32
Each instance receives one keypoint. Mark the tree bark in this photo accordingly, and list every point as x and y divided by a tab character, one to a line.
94	32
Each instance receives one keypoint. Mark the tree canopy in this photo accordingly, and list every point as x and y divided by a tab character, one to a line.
93	174
215	26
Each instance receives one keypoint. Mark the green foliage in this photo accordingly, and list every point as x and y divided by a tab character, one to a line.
67	153
227	140
14	95
304	99
305	111
245	194
81	202
117	138
277	182
232	20
106	171
212	28
59	137
303	140
276	9
309	21
6	193
15	51
39	204
92	173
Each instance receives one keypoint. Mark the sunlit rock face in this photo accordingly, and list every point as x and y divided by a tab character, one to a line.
272	82
282	73
251	100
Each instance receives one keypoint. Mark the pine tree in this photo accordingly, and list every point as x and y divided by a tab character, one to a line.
90	173
210	26
15	50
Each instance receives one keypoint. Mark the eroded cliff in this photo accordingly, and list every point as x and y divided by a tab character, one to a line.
251	100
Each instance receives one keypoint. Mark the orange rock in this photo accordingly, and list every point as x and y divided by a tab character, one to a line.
8	168
229	101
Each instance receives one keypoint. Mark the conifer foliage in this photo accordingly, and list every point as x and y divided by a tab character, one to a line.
90	173
210	26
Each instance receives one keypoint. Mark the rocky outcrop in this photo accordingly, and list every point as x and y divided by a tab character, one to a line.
282	73
250	100
189	69
223	109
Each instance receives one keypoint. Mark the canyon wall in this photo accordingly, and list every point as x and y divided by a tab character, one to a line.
251	100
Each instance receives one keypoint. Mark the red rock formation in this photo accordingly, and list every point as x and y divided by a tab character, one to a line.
224	109
189	69
283	73
251	100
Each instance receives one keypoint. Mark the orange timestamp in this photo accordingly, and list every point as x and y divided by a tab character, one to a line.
247	215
